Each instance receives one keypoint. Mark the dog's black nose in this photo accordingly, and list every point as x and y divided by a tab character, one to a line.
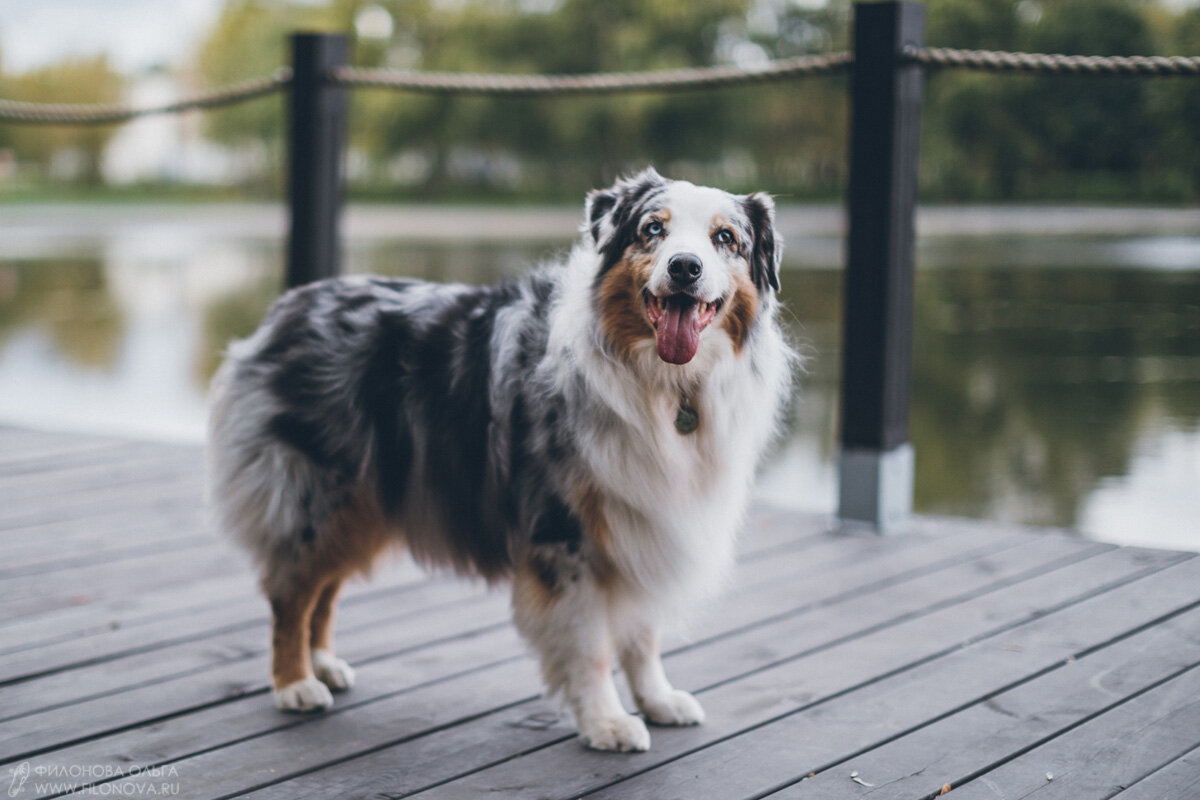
684	268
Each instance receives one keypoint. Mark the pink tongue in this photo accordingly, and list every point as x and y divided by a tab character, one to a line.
679	333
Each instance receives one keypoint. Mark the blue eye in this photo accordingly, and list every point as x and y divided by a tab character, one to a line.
724	236
653	228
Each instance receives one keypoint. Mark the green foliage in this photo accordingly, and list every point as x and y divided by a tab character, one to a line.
1066	137
984	136
78	150
250	39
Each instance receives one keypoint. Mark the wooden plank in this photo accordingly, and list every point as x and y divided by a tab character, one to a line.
919	758
1104	755
721	660
818	552
781	752
66	454
739	710
448	604
142	463
41	537
1180	778
22	441
104	551
173	630
127	501
183	729
234	595
247	609
427	685
16	440
155	661
231	674
33	594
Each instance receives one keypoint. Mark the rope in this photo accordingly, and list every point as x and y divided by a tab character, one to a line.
595	83
1043	63
674	80
106	113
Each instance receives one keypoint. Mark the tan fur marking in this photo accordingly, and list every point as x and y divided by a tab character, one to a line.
302	614
719	222
739	316
622	309
289	635
531	589
321	623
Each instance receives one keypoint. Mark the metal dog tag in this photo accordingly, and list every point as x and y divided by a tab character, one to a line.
686	419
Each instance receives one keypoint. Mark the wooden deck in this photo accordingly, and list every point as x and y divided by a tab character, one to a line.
1002	663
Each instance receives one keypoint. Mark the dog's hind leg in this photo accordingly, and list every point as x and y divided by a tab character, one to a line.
329	669
564	618
293	599
638	646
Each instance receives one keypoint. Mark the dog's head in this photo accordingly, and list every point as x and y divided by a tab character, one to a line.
679	262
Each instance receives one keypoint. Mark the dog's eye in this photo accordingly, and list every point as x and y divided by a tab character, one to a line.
724	236
653	228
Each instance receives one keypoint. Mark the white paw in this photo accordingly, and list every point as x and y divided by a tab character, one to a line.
676	708
623	734
306	695
332	671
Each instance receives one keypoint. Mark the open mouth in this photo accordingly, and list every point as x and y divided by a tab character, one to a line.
678	320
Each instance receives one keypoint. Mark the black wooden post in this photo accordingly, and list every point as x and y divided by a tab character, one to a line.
876	459
316	135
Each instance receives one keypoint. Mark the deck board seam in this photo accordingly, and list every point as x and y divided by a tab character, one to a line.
295	722
1040	614
1193	752
419	583
1024	749
965	597
1033	676
962	559
923	570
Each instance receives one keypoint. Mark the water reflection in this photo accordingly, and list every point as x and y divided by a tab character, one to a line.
1033	387
69	303
1044	394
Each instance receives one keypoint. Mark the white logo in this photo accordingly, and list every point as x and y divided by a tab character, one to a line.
20	774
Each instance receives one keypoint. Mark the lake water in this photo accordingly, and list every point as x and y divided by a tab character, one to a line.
1057	351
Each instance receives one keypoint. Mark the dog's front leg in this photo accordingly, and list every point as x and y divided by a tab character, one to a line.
638	644
565	620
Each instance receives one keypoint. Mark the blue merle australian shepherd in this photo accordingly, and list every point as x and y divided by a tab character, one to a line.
589	432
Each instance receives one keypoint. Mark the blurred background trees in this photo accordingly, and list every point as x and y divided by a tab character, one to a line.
62	153
985	137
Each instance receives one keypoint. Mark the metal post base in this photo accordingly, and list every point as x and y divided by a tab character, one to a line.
876	488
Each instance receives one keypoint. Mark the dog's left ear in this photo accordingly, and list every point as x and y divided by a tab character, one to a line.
768	247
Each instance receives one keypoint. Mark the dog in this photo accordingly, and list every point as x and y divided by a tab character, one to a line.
589	432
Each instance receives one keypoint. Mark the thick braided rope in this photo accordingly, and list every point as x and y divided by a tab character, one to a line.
107	113
1046	63
673	80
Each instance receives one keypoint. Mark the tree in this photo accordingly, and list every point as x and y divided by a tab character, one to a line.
89	80
250	39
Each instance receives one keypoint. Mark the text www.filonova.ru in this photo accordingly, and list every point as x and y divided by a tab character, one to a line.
103	780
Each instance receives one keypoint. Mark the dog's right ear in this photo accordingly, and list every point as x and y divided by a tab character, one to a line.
598	212
608	210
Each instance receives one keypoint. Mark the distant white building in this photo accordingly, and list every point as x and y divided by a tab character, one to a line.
165	147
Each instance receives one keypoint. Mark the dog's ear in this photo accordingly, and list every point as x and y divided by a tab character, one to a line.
596	211
607	209
768	247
